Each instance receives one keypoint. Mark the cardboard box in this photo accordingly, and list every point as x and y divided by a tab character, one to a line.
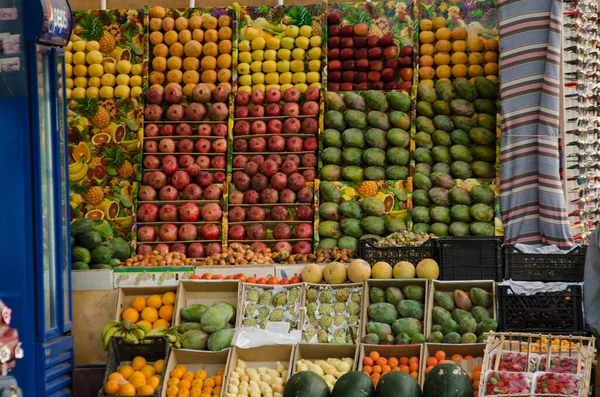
248	270
195	360
476	350
311	351
206	292
263	356
450	286
399	283
150	276
244	287
92	280
335	287
388	351
126	295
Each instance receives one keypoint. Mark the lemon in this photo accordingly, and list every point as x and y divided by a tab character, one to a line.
306	31
283	66
136	92
287	43
108	80
245	79
292	31
68	57
245	57
244	45
124	67
316	41
273	43
258	55
136	81
79	45
301	87
70	83
256	66
122	79
96	70
243	68
285	87
314	53
298	54
94	57
107	92
260	87
245	88
94	82
284	54
137	69
258	78
285	78
314	65
69	70
272	78
251	33
270	55
80	82
313	77
79	58
276	86
302	42
297	66
258	43
269	66
80	71
69	93
318	85
78	93
299	78
122	91
92	46
92	92
69	46
110	67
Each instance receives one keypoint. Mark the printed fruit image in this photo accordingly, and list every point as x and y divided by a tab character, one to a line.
263	305
367	136
184	382
332	314
446	207
462	317
152	311
95	247
395	315
375	365
282	54
138	378
331	370
101	60
362	58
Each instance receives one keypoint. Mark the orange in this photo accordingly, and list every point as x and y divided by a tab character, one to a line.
381	361
225	33
404	360
156	77
425	25
198	35
159	365
208	63
131	314
197	383
405	369
426	49
138	363
181	23
368	361
375	376
148	370
195	22
159	50
193	48
209	77
182	368
138	303
367	369
156	38
374	356
459	33
440	355
456	357
145	390
439	22
126	371
426	60
149	324
490	56
490	69
224	75
443	46
475	44
376	369
173	382
150	314
432	361
172	391
117	377
183	393
194	392
176	50
171	37
200	374
426	72
217	391
153	381
184	384
159	64
443	71
224	61
224	20
189	376
111	388
428	369
475	58
218	380
385	369
211	36
161	323
475	71
173	63
127	389
185	36
445	362
459	46
458	58
393	362
468	357
190	63
137	379
175	76
476	375
168	298
441	58
210	49
426	37
166	312
491	45
414	367
443	34
210	382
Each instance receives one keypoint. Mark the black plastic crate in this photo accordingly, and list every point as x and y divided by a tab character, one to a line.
392	255
551	312
153	349
470	258
544	267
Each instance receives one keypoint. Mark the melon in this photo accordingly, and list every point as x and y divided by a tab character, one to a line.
381	270
353	384
306	383
359	271
404	269
398	384
428	268
312	273
335	273
447	380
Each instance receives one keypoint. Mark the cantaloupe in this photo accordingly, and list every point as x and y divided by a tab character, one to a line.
404	269
359	271
428	268
335	273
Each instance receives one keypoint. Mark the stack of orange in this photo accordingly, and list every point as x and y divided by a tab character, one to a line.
440	358
182	383
154	311
376	366
138	379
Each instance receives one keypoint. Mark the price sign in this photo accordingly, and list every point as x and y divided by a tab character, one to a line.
57	22
8	14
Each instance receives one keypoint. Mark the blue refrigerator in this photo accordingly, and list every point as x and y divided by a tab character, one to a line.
35	274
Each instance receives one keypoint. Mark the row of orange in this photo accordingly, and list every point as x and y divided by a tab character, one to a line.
252	279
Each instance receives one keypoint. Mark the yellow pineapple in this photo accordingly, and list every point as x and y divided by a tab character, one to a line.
92	29
367	189
94	195
126	170
93	111
116	159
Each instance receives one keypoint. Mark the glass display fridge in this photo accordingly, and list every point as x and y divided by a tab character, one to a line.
35	274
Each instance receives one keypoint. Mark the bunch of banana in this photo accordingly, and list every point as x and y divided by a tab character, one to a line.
78	170
126	329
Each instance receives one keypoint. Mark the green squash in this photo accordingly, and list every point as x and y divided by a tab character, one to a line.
447	380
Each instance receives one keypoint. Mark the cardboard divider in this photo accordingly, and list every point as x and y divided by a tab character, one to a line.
232	270
207	292
195	360
388	351
450	286
301	308
312	352
476	350
399	283
126	295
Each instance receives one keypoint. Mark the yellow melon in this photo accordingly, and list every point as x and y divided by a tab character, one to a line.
312	273
335	273
428	268
404	269
381	270
359	271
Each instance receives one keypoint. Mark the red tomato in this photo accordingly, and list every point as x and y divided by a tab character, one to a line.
218	277
284	281
273	280
194	277
295	280
230	277
251	280
241	277
261	280
207	276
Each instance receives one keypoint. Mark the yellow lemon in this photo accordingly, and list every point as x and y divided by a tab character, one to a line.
251	34
306	31
78	93
135	81
137	69
96	70
244	45
258	43
80	71
92	92
68	57
92	46
136	92
79	58
94	82
110	67
107	92
80	82
108	80
79	45
124	67
122	79
70	83
245	80
94	57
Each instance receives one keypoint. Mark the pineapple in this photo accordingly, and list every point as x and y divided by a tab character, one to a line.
92	29
116	159
94	162
300	16
367	189
93	111
94	195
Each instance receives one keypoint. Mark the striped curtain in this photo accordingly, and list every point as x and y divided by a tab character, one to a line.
532	200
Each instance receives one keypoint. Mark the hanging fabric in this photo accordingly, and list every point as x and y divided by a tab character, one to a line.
532	199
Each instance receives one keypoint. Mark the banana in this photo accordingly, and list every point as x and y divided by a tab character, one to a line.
109	325
130	337
139	333
80	173
178	345
120	333
172	338
158	331
144	328
76	166
110	333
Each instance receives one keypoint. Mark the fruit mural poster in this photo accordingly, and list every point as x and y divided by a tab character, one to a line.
106	77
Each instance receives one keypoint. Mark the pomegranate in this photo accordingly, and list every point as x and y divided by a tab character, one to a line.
210	231
167	232
204	130
218	162
269	196
168	193
305	213
203	162
302	248
151	147
168	213
304	230
195	250
147	213
144	249
147	193
213	192
287	196
240	161
169	165
187	232
219	145
237	232
146	233
185	160
183	129
279	181
211	212
289	167
194	170
151	130
192	192
204	179
256	231
220	130
151	163
283	246
236	197
166	145
185	146
162	247
180	180
237	214
212	248
167	130
179	247
157	179
189	212
251	197
202	145
279	213
282	231
256	214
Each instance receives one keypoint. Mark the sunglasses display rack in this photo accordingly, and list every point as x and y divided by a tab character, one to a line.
581	65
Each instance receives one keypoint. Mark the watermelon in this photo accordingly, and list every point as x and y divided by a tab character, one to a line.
80	226
353	384
80	266
447	380
121	249
103	228
80	254
398	384
306	384
90	240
